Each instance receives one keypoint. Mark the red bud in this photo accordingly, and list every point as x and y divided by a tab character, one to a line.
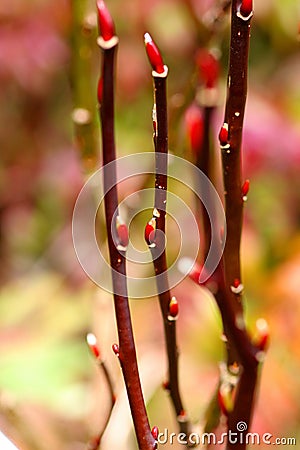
155	432
106	24
173	308
245	188
115	349
236	283
92	343
153	54
166	385
246	7
237	287
223	135
264	342
208	66
150	232
262	337
194	127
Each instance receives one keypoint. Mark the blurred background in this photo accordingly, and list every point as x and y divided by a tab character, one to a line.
51	393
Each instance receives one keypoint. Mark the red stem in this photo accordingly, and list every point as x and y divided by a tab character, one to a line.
204	163
92	342
158	250
231	159
231	153
127	356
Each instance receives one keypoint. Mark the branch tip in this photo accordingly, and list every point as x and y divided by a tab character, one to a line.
150	232
245	189
173	309
195	127
93	346
208	67
246	9
106	24
262	336
154	54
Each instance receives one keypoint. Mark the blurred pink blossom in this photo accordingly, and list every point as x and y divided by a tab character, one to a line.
271	139
31	50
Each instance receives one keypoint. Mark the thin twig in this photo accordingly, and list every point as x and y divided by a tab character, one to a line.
94	443
156	241
84	111
204	163
212	19
206	99
126	349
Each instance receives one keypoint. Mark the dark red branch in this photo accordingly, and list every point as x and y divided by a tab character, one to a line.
156	241
204	163
231	140
92	342
234	325
228	274
243	406
127	352
205	103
